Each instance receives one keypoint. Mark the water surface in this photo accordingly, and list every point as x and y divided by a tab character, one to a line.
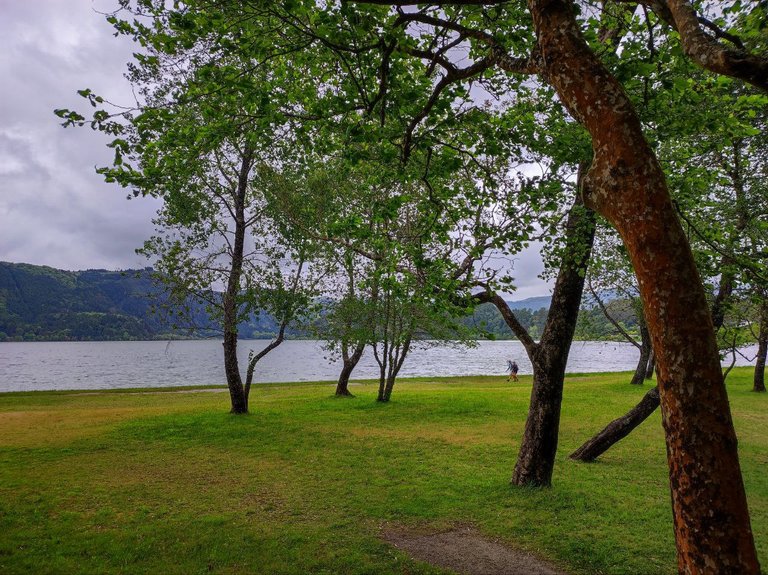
31	366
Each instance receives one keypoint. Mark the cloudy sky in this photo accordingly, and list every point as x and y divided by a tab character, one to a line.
54	209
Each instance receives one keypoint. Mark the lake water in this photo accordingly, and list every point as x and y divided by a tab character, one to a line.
107	365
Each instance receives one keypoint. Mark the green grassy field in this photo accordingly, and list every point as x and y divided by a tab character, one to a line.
171	483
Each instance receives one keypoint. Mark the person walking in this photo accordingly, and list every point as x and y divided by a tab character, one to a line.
513	369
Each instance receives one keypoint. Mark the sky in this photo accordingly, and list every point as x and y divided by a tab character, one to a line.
54	209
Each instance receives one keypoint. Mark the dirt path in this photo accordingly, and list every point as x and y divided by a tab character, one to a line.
466	552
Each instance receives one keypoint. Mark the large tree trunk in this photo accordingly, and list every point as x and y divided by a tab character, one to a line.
627	186
762	349
618	428
350	362
536	458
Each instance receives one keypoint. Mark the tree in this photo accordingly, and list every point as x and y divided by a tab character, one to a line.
628	187
625	184
715	172
762	348
611	274
549	355
347	325
206	155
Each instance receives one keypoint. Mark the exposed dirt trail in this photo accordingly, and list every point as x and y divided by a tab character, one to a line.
467	552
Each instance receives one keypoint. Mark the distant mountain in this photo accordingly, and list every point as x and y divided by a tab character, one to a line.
532	303
40	303
43	303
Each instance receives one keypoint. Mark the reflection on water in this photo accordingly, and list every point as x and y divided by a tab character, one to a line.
105	365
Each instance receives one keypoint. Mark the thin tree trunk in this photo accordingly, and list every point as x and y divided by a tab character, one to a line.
618	428
382	361
237	394
762	349
254	359
350	362
395	364
645	354
649	371
287	317
626	185
390	384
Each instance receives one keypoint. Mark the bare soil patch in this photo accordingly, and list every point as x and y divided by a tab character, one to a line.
466	552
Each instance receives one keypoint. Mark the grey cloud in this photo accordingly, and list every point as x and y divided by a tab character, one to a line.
54	209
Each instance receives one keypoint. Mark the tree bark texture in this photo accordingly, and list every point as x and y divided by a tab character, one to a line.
762	349
626	185
707	51
536	458
618	429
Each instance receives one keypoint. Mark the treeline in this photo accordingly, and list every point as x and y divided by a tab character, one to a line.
41	303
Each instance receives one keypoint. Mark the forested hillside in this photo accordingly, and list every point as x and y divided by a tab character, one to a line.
43	303
40	303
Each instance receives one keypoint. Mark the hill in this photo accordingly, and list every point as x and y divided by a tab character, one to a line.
41	303
531	303
44	303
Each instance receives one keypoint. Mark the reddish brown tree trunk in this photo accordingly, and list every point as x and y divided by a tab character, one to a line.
626	185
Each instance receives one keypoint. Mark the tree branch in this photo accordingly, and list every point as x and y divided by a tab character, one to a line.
509	317
705	50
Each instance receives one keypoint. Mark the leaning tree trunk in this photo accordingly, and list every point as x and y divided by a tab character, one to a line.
350	362
618	428
536	458
762	349
645	354
627	186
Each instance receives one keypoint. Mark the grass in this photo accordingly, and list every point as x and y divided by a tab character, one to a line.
171	483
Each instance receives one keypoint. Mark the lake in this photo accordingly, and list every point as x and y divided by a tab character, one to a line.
31	366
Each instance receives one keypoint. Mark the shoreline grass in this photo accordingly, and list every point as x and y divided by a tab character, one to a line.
133	482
